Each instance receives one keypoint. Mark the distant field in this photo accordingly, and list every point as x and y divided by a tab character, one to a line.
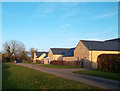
58	66
109	75
19	77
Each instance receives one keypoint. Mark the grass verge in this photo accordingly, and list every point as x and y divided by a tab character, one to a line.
19	77
109	75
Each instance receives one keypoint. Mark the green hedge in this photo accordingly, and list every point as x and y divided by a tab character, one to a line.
66	63
109	62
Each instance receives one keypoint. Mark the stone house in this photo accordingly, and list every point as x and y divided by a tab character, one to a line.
90	50
61	54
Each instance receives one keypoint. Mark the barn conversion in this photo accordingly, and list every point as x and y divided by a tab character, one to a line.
41	56
85	49
90	50
61	54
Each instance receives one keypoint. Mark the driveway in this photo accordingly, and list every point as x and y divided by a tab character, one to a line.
67	73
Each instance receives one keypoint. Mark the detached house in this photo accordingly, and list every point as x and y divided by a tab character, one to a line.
90	50
61	54
40	56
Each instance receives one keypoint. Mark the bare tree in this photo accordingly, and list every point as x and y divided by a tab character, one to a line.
14	50
32	50
7	51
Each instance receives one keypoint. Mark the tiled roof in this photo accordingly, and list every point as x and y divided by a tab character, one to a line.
101	45
38	54
63	51
113	40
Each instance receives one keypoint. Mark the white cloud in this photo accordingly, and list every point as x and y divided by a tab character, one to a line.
73	39
68	4
44	9
99	32
65	26
49	9
69	13
106	15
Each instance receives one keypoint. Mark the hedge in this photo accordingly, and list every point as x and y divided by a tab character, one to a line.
109	62
66	63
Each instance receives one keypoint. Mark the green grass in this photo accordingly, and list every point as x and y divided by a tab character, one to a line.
19	77
28	62
109	75
58	66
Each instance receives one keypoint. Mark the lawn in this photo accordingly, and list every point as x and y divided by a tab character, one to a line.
109	75
58	66
28	62
19	77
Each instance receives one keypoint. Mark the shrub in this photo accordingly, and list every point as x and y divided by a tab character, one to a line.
65	63
39	62
27	61
109	62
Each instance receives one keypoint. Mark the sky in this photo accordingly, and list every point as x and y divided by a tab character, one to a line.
45	25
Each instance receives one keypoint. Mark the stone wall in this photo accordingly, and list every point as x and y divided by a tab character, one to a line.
58	57
68	58
93	55
50	55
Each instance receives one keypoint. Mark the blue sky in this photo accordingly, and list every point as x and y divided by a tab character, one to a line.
44	25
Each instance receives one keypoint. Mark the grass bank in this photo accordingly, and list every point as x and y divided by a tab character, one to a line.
19	77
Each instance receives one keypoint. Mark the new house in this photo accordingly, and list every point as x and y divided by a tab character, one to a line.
61	54
90	50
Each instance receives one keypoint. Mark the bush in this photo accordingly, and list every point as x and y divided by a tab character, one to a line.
39	62
109	62
27	61
65	63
